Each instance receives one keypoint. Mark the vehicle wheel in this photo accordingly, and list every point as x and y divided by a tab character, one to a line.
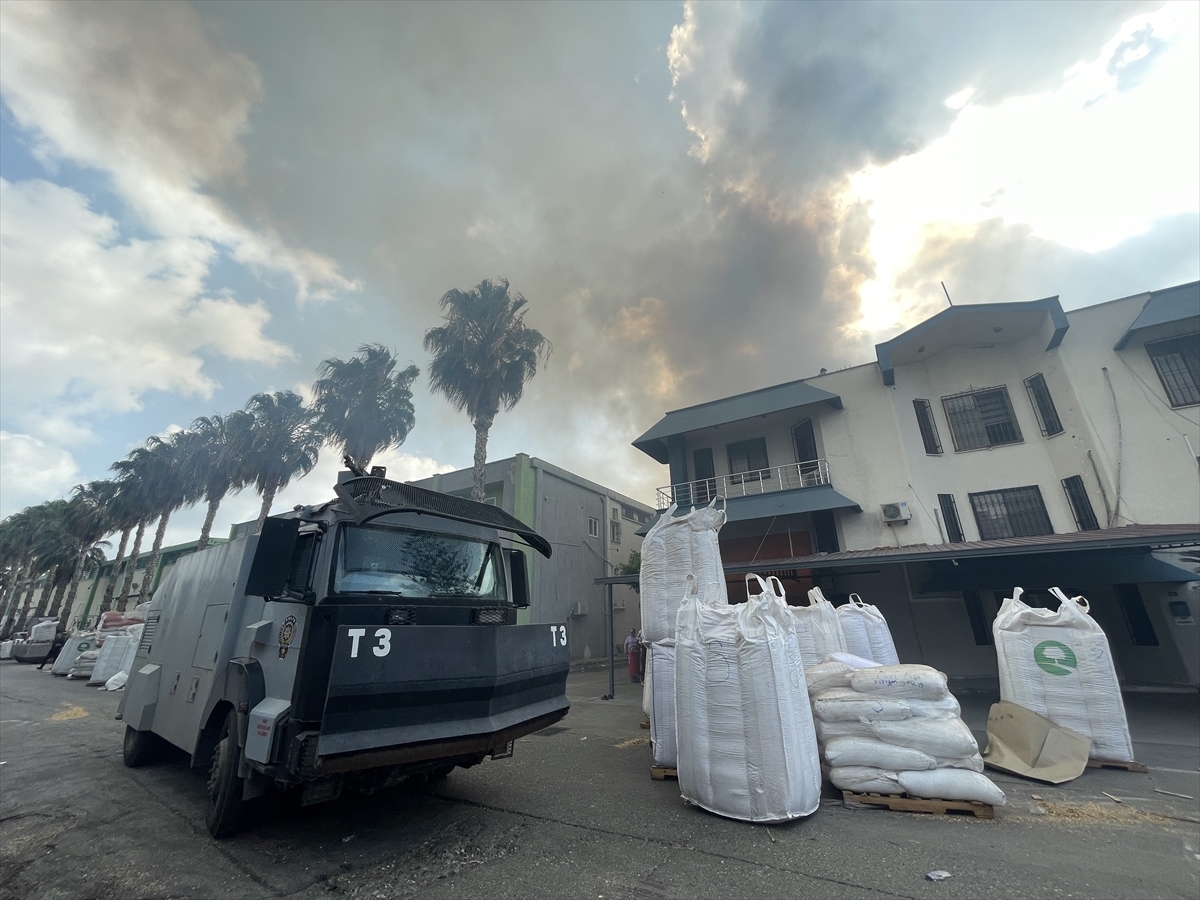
225	804
140	747
440	773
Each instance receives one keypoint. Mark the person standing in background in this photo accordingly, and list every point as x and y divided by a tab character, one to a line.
633	651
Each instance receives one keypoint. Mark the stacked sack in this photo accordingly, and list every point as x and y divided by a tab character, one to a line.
746	744
1058	664
866	632
895	729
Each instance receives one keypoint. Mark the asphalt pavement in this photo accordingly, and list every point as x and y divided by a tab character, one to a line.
574	813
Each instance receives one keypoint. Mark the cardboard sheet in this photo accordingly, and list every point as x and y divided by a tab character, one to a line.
1024	743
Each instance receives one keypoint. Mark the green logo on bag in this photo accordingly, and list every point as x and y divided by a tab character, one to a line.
1054	658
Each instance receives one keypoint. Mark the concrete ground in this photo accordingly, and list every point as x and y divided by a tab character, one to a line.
572	814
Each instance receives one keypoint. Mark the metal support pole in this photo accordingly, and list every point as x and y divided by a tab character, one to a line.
612	672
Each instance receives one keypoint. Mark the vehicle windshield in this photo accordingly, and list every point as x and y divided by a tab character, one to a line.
386	560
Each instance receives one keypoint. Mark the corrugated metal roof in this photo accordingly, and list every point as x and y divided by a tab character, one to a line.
766	400
1173	304
1105	538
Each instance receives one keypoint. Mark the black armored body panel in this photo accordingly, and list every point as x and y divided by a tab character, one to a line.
355	643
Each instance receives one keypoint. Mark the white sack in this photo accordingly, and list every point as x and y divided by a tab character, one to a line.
746	744
848	705
948	737
904	682
864	780
76	644
854	662
826	675
6	649
110	657
951	784
858	751
1059	665
116	682
974	763
818	630
43	631
673	549
828	731
866	632
661	662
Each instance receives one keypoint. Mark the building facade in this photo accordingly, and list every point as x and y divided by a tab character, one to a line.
591	528
990	446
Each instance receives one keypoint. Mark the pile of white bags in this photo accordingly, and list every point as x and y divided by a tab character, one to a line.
818	628
896	729
866	632
116	654
76	644
660	685
43	631
673	549
1058	664
746	744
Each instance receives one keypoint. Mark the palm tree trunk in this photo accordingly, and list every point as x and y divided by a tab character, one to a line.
482	426
213	505
26	605
114	574
47	591
56	602
155	555
69	602
14	599
268	499
123	600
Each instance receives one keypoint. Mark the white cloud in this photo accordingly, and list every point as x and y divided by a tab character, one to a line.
32	471
1087	166
90	322
138	91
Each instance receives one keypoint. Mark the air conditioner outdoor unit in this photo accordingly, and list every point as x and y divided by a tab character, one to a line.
895	512
579	609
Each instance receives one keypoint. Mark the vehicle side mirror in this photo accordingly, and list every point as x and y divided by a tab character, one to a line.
520	579
273	558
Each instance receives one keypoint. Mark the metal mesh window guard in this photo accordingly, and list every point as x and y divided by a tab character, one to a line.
1177	362
1081	505
954	532
1043	405
925	421
981	419
1015	512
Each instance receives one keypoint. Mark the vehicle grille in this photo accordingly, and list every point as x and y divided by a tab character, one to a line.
401	615
492	615
148	630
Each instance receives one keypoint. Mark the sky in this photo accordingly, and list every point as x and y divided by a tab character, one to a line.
200	202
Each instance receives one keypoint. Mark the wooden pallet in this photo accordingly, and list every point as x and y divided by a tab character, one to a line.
1130	766
645	723
662	773
896	803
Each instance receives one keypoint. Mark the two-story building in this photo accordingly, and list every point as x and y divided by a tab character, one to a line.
592	530
990	446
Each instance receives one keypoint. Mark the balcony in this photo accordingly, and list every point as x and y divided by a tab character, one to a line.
813	473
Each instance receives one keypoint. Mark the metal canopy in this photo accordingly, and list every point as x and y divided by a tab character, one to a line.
1173	304
369	498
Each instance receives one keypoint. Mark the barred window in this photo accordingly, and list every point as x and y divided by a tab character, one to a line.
1043	405
954	532
1177	362
925	422
1081	505
747	459
981	419
1014	512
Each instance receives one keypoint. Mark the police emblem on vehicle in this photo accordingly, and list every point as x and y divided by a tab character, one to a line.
286	633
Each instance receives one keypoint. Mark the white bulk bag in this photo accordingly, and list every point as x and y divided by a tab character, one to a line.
76	644
908	682
864	780
746	744
673	549
951	784
817	627
43	631
660	676
866	632
1059	665
110	657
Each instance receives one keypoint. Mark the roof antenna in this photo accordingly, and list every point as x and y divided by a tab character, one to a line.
946	292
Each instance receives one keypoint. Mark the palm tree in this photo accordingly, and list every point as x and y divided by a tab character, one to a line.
87	521
483	356
126	511
284	442
214	459
169	486
362	405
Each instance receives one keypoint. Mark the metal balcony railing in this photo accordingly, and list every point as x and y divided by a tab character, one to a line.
745	484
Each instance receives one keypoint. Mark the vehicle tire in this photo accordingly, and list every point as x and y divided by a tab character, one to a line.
440	773
225	805
140	747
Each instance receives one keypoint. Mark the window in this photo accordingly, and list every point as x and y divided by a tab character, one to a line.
375	559
954	532
824	531
747	459
981	419
1133	608
614	532
1081	506
300	570
979	623
593	527
929	434
1177	362
1043	405
616	514
706	482
1015	512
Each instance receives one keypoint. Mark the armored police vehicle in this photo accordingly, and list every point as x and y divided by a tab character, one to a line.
351	644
